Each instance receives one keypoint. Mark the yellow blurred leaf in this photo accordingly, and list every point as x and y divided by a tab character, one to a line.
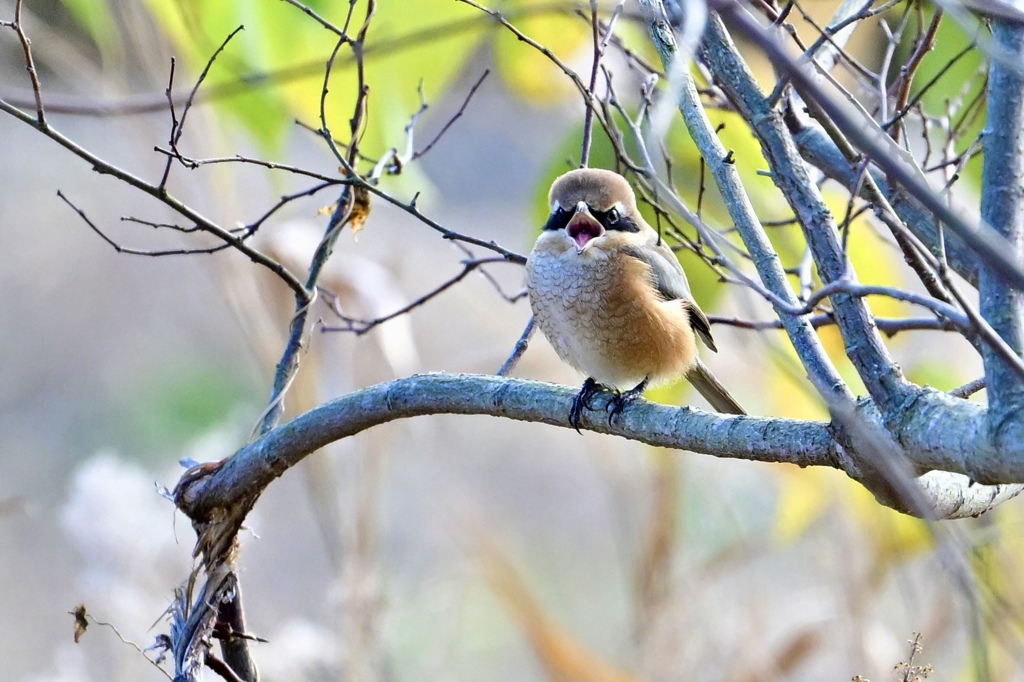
895	537
530	73
276	66
804	496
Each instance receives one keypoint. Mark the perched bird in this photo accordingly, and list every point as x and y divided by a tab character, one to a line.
612	299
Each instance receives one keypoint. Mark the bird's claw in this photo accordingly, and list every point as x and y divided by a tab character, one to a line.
616	404
584	401
619	401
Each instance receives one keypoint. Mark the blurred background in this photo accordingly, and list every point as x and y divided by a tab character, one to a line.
440	548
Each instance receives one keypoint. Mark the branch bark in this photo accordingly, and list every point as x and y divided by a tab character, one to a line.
863	342
895	403
808	346
219	497
1002	206
872	141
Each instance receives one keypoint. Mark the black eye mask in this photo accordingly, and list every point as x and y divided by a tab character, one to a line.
558	220
613	219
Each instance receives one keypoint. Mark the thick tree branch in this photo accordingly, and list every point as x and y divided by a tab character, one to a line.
864	345
258	463
883	152
1002	205
769	267
821	152
890	392
222	494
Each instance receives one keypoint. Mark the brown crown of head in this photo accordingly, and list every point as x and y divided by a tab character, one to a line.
599	188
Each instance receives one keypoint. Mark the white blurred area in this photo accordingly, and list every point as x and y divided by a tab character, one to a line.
366	562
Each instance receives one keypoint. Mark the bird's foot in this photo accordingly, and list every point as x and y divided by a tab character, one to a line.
584	401
619	401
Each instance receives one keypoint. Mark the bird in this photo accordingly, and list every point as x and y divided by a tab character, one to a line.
612	299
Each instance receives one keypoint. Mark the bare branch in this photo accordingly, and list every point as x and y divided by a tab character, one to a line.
248	160
360	327
30	65
770	269
458	114
968	389
888	326
1002	205
600	44
81	613
142	252
586	93
221	668
217	497
882	378
879	147
340	32
518	350
178	124
353	207
412	209
204	224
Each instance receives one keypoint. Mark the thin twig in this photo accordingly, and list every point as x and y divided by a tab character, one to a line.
360	327
412	209
588	113
221	668
178	124
80	612
206	225
968	389
888	326
518	349
30	65
588	98
899	113
319	19
924	44
140	252
458	114
248	160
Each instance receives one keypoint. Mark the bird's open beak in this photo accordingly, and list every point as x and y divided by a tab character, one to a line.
582	228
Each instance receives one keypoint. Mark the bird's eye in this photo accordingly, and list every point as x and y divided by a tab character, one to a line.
558	219
613	216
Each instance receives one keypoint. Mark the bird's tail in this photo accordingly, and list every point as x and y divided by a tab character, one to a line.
712	389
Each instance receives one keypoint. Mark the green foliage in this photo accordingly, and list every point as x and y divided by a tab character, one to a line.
179	403
530	74
97	20
279	58
950	87
960	81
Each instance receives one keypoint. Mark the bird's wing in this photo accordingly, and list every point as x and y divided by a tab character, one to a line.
671	283
701	325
